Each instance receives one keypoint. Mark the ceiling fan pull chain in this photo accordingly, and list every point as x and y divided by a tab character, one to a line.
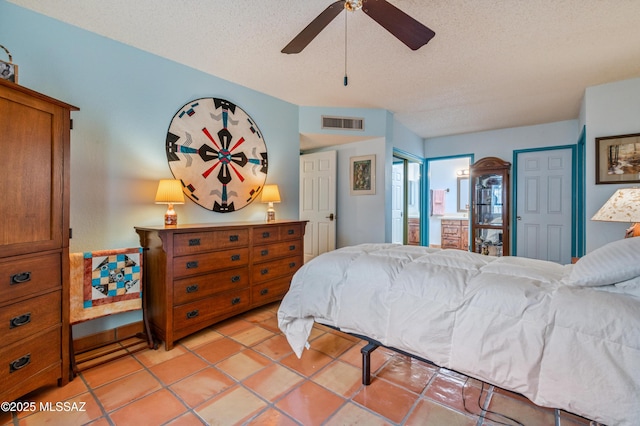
346	79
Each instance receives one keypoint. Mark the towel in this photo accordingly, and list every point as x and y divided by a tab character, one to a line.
438	206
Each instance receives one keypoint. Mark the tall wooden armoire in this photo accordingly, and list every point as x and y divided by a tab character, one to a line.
34	240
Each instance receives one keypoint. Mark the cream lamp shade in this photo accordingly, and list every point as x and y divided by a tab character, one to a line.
170	193
623	206
270	194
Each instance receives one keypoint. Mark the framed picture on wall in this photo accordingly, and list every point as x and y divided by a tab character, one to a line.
362	174
618	159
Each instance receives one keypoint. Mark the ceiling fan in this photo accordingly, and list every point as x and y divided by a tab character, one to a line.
402	26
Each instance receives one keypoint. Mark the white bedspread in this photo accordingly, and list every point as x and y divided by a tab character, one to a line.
509	321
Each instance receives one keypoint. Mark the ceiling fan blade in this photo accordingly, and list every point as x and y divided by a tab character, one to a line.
404	27
313	29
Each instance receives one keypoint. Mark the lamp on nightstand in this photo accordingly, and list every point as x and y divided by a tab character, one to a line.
623	206
170	193
270	194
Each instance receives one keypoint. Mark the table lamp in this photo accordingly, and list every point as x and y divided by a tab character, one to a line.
170	193
270	194
623	206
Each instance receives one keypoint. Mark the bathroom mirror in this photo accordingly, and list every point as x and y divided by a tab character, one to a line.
463	194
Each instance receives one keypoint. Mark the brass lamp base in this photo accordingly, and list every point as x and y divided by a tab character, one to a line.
170	217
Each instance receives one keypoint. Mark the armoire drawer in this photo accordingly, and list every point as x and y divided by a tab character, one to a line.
28	357
23	319
271	251
184	266
198	242
193	288
28	275
204	310
275	269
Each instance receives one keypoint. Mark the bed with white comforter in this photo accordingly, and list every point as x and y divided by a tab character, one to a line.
564	336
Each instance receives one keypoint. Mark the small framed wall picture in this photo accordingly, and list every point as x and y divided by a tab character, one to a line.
618	159
8	70
363	175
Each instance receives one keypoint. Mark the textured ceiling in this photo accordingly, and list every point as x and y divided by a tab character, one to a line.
492	64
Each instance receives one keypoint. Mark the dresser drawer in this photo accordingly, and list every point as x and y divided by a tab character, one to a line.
23	319
28	357
194	288
277	268
204	310
292	231
273	251
270	290
207	262
198	242
25	276
266	234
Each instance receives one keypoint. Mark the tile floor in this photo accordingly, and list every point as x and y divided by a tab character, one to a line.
242	371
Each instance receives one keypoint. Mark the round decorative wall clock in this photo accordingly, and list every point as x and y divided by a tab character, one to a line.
218	153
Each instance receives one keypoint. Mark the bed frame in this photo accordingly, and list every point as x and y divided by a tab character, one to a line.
371	346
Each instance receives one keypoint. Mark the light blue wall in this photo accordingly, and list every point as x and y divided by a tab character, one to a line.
501	143
364	218
127	99
609	110
606	110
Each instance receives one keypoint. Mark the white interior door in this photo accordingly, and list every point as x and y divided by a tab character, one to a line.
397	203
544	205
318	202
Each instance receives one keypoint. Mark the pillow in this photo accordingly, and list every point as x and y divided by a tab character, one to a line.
612	263
631	287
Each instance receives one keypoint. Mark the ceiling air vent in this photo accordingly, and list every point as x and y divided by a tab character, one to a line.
347	123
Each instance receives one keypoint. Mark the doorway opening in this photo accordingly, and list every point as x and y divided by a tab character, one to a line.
406	222
448	181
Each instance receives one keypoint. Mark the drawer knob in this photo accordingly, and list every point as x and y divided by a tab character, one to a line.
20	278
192	264
292	264
235	300
291	231
194	242
264	252
235	257
192	288
292	247
235	278
233	238
264	291
265	235
264	271
19	363
192	314
20	320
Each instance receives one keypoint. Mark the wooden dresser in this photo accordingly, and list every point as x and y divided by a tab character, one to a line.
197	275
34	241
454	234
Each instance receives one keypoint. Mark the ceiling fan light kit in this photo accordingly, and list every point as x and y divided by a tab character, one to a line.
353	5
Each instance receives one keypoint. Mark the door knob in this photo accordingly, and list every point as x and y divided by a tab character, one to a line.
330	217
519	217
